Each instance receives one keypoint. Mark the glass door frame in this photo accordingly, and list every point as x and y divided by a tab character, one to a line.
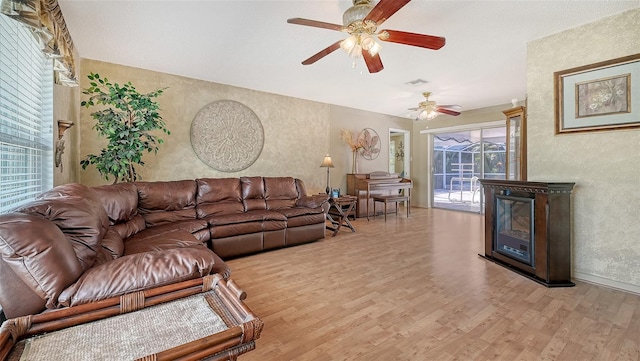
461	128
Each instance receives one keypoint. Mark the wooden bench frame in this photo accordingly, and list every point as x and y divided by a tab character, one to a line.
387	198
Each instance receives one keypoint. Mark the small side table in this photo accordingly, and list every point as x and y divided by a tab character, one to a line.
341	208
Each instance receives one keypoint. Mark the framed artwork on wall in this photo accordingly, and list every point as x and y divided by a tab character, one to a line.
370	142
600	96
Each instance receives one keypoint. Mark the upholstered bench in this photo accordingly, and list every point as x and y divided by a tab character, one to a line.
390	198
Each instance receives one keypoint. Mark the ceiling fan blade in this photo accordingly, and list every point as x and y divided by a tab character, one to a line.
315	24
374	63
451	106
447	111
416	108
403	37
384	9
322	53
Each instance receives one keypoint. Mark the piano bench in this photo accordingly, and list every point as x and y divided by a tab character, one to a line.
387	198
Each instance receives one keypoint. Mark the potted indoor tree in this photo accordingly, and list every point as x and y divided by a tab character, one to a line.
128	120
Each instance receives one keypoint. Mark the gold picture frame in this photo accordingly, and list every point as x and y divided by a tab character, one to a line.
597	97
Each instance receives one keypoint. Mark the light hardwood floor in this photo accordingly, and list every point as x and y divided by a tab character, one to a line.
416	289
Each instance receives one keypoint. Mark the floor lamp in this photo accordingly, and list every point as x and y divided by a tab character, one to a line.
327	163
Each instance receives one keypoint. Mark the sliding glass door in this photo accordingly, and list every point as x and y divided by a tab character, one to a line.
459	160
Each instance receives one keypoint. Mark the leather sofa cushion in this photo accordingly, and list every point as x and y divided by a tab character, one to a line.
305	220
120	201
252	216
140	271
236	229
314	201
38	252
190	226
158	218
16	297
71	189
218	196
253	193
166	202
83	222
213	190
158	241
112	243
128	229
280	192
299	211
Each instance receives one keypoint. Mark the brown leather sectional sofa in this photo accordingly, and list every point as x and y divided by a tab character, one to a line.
76	244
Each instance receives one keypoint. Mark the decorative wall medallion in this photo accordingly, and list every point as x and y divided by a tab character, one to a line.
227	136
370	141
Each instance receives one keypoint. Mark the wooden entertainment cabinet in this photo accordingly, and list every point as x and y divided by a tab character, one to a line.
550	241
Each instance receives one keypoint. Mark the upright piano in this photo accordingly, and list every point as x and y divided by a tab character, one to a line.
364	186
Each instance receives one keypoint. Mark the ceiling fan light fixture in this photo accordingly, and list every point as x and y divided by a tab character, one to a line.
349	43
375	48
428	114
357	12
356	52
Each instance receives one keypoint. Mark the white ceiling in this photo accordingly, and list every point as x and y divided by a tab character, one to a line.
249	44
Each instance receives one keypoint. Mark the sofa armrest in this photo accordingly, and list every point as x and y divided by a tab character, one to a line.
141	271
313	201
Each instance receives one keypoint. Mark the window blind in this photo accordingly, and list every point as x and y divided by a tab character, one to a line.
26	116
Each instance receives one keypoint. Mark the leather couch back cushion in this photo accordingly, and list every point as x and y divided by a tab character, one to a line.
113	244
218	196
70	189
39	254
120	201
165	202
302	190
280	192
253	193
128	229
83	222
218	189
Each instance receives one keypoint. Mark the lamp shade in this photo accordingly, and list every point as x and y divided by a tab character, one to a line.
326	162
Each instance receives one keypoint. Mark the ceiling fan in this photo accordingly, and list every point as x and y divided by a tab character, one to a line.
361	22
429	109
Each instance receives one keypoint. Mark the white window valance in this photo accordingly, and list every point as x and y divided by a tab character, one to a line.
47	25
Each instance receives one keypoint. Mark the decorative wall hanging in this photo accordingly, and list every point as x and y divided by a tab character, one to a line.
227	136
63	125
600	96
370	143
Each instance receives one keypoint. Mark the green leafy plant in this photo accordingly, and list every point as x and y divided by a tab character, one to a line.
127	121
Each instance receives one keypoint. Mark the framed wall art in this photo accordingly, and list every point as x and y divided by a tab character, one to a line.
370	142
600	96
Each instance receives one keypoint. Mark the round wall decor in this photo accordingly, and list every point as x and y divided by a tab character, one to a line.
227	136
370	141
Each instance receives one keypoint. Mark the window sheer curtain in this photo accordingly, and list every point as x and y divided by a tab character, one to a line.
47	25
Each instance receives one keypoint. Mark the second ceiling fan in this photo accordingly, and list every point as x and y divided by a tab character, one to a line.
361	22
429	109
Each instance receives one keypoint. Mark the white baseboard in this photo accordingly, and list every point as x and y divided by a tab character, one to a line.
627	287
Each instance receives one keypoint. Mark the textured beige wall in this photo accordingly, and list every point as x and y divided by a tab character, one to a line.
355	121
296	131
604	165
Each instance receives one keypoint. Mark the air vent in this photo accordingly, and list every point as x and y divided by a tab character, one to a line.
417	82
